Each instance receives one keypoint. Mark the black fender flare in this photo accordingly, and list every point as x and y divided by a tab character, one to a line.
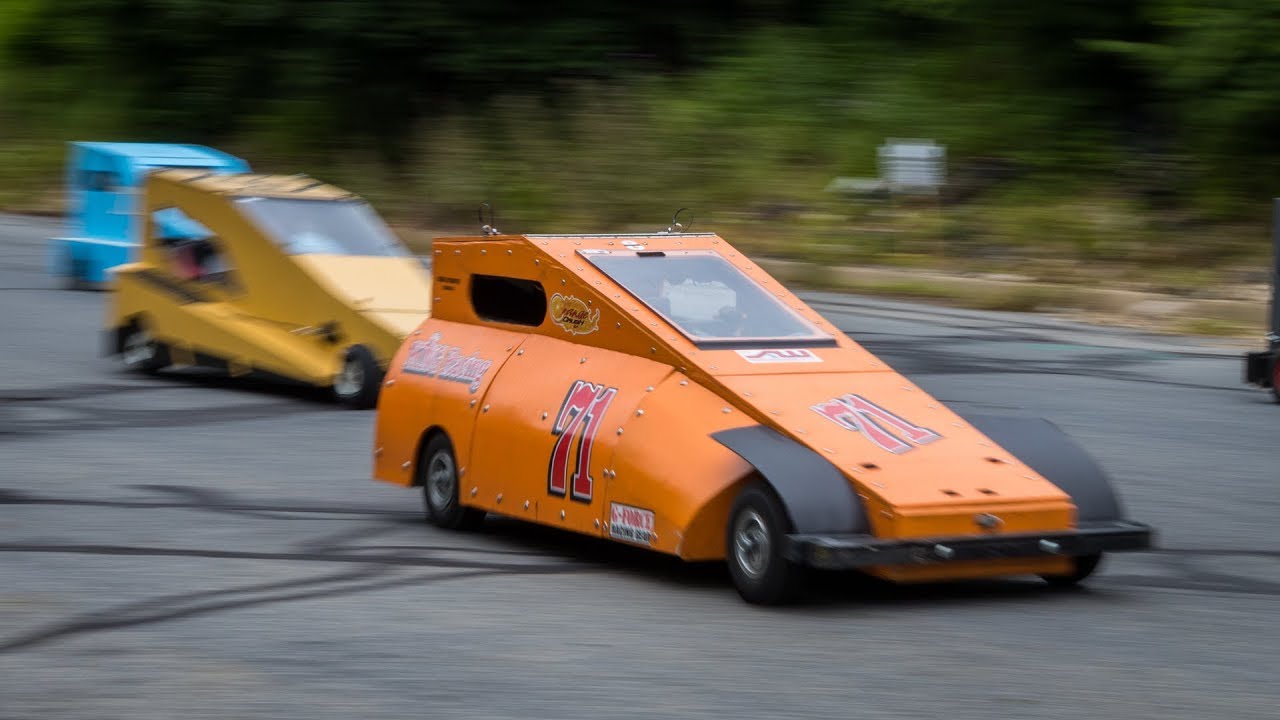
816	495
1048	450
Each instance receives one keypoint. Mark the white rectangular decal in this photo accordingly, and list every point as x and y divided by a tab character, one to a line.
630	524
779	355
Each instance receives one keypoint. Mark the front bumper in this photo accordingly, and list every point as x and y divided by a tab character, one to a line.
846	552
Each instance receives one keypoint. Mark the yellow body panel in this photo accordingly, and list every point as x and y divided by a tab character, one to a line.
275	312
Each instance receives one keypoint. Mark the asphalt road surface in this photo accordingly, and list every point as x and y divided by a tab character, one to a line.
186	547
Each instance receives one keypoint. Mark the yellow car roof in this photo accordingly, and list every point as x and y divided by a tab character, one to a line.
254	184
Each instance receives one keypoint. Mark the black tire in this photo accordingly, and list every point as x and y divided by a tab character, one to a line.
754	535
359	379
140	351
1084	567
437	473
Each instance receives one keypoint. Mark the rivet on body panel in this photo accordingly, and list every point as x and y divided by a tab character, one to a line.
474	490
561	514
437	299
640	412
520	351
508	252
405	465
526	504
499	499
457	252
713	367
649	389
563	281
881	486
619	431
653	350
473	402
544	414
597	523
581	360
439	251
485	408
377	452
617	325
536	261
391	382
483	251
726	411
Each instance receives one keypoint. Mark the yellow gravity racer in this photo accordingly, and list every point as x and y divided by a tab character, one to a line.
282	276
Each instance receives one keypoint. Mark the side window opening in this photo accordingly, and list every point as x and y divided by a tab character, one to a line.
195	253
508	300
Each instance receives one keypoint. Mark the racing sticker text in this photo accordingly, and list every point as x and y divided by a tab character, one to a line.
779	355
631	524
575	429
885	429
573	315
435	359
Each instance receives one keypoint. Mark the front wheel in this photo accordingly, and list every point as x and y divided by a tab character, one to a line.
758	525
1084	567
437	473
359	379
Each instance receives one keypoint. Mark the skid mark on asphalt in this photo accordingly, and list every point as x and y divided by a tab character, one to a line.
177	607
929	356
378	567
200	499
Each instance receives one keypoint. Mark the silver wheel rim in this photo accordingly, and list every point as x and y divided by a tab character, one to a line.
138	348
441	481
350	379
752	547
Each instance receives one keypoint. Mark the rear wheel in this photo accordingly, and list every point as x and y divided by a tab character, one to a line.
359	379
757	527
437	473
1084	567
140	351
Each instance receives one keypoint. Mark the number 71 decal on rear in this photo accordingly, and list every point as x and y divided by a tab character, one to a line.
579	419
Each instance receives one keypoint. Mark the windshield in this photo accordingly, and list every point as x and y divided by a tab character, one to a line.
706	297
323	227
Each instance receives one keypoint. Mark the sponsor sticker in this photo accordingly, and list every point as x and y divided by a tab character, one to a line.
435	359
779	355
631	524
573	315
887	430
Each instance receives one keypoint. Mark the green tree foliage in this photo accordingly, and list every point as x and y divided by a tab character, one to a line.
1067	87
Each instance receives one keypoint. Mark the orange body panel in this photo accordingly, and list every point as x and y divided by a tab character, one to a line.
920	469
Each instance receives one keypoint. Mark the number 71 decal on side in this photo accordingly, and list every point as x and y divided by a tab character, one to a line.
575	429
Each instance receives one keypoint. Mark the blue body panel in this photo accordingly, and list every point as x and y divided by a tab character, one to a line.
103	188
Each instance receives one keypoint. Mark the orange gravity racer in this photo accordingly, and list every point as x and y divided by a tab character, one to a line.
662	390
